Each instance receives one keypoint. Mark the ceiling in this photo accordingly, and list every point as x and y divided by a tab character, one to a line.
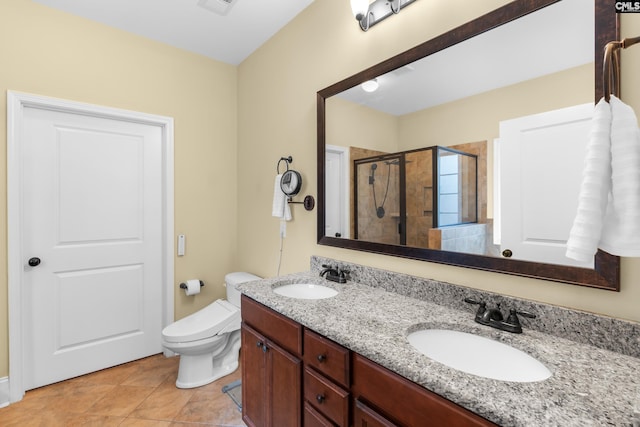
192	24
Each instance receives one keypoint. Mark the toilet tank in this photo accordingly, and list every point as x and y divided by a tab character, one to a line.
232	280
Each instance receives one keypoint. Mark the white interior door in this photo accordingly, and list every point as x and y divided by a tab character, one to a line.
337	192
92	216
541	162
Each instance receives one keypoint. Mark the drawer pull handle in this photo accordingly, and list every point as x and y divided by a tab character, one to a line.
320	398
321	358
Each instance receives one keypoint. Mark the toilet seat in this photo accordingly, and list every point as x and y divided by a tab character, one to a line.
219	316
196	347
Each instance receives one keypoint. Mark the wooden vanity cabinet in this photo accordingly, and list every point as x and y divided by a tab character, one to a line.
271	368
334	386
387	399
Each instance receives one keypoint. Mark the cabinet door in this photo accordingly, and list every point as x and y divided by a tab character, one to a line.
284	382
253	378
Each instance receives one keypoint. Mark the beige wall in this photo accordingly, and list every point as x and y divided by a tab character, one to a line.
51	53
277	94
376	130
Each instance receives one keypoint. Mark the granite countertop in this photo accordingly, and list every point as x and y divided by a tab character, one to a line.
589	386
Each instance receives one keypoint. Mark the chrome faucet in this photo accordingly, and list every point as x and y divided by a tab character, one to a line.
493	317
334	274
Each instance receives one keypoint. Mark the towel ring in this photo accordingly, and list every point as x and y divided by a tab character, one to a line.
286	161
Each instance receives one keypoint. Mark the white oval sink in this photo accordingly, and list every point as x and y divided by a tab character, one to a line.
478	355
305	291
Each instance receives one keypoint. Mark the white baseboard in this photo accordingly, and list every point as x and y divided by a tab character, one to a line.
4	392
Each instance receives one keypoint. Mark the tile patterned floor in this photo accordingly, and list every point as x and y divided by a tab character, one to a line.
137	394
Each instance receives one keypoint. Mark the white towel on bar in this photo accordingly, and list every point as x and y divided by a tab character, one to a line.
280	208
608	215
621	232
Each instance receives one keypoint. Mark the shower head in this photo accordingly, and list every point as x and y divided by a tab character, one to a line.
374	166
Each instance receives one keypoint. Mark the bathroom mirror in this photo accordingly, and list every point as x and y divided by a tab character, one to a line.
341	125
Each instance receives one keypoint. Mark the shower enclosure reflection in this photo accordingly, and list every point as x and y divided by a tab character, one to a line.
419	198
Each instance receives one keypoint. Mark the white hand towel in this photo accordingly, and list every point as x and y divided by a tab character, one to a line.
280	208
596	184
608	214
621	231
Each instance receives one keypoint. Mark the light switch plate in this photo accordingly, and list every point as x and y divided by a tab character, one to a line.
181	245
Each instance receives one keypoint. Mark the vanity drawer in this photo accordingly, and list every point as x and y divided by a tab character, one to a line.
405	402
280	329
329	399
313	418
327	357
363	416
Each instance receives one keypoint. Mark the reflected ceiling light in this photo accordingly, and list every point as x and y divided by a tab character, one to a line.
370	85
370	14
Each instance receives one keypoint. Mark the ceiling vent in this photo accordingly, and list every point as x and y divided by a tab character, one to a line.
220	7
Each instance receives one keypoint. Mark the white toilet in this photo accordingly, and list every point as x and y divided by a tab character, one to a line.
208	341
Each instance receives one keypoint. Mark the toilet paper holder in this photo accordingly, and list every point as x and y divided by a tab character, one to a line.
184	285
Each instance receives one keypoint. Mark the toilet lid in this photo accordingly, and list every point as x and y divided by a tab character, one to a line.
204	323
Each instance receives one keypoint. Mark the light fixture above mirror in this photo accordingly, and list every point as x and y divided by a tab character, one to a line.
368	15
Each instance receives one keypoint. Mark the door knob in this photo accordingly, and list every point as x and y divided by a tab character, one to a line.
507	253
34	262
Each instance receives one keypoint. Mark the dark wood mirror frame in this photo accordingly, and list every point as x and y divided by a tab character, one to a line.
606	273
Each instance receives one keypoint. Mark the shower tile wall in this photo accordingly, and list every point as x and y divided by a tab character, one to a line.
419	197
479	149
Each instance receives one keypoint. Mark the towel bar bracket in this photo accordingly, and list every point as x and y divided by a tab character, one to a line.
611	65
309	202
